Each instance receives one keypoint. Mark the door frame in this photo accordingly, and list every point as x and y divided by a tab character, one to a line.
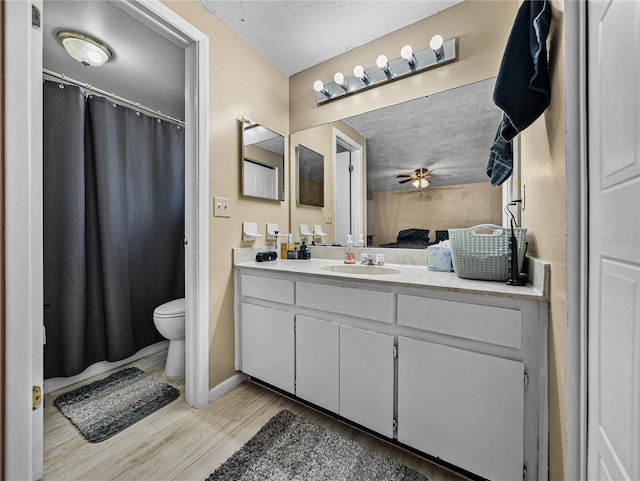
23	220
577	240
358	216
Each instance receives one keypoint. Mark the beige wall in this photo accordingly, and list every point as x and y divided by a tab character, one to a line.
234	68
436	208
543	176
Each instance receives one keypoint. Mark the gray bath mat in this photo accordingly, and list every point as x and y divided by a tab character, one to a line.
105	407
289	447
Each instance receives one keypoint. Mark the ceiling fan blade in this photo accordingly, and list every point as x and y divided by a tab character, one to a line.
404	175
410	179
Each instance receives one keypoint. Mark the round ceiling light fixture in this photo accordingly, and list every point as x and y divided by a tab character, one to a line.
85	49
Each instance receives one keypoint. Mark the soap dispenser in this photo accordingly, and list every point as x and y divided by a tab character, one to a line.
349	257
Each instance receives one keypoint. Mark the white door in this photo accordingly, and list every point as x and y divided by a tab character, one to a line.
349	186
23	235
260	180
614	246
268	345
342	216
317	362
366	379
463	407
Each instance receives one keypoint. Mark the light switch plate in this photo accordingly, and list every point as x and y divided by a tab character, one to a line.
221	207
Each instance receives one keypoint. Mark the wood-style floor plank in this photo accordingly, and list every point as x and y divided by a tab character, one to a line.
179	443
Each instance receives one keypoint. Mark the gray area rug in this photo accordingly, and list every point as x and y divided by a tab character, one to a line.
289	447
105	407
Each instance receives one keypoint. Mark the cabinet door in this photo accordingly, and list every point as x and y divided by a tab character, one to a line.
268	345
366	379
464	407
317	358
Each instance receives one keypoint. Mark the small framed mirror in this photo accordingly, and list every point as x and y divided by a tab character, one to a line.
310	185
262	162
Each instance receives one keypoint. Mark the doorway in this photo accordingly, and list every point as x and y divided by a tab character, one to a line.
23	219
349	186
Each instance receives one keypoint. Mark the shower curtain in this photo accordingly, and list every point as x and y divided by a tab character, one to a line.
113	228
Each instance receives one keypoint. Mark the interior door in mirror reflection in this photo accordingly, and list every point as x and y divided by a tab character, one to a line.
310	184
262	162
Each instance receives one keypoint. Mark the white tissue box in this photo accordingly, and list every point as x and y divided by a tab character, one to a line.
439	258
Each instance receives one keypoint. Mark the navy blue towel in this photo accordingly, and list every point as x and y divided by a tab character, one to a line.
523	87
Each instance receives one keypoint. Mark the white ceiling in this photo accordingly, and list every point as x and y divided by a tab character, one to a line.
297	34
146	67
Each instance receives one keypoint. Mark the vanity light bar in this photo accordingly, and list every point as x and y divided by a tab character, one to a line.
410	62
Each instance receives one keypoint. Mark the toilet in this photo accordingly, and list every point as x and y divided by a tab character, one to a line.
169	320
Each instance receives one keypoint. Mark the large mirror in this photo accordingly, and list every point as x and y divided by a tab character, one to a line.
310	184
262	162
424	168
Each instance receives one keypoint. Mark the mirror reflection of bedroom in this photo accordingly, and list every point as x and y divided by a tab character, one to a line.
426	163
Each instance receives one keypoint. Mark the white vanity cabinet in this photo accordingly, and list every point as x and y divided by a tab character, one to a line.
366	379
267	333
317	362
461	406
458	375
268	345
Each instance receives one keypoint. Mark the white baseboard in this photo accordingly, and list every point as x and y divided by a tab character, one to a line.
55	383
226	385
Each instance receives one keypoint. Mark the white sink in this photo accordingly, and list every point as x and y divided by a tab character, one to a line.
361	269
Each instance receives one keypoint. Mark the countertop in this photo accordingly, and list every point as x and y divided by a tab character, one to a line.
413	276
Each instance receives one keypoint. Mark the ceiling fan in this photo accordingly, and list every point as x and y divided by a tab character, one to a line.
419	179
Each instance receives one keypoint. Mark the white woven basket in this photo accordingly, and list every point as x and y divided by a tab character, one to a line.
482	252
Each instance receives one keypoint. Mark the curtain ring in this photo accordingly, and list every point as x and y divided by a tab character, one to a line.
61	86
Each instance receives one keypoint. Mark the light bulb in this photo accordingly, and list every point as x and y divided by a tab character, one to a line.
383	64
318	86
436	42
359	72
339	79
406	52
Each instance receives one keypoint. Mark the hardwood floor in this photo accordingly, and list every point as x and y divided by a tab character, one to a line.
180	443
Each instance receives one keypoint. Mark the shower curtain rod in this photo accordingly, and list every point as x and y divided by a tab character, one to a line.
111	96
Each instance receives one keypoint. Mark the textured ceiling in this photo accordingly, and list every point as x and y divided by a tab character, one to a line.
449	133
297	34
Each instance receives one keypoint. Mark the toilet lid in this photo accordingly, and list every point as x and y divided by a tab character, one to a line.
170	309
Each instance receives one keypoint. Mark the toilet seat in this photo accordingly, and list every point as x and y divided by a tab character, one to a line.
173	308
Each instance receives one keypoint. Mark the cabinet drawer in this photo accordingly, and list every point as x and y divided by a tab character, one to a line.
495	325
277	290
375	305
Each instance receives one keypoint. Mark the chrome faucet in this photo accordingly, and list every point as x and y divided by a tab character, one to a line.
368	259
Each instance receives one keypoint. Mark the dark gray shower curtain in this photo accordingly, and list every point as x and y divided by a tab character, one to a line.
113	228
